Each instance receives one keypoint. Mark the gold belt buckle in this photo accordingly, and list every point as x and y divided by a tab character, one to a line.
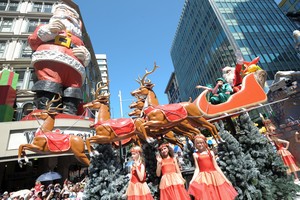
63	41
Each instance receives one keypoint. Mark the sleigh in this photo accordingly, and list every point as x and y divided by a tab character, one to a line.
251	94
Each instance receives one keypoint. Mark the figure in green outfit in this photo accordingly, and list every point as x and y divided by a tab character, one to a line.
221	92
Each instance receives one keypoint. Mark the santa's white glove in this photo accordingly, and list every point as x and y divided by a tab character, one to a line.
56	26
50	31
239	57
82	54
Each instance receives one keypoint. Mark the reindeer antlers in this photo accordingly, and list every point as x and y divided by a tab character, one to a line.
141	81
48	104
98	88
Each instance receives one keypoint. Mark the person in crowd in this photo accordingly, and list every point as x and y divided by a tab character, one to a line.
172	183
138	188
208	181
282	149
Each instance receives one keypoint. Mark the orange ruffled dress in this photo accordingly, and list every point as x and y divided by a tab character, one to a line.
171	184
138	190
210	184
287	157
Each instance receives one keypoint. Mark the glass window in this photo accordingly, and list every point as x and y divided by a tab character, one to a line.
255	28
13	6
6	25
26	50
266	28
37	7
231	28
2	48
250	29
32	25
47	8
3	5
297	7
267	58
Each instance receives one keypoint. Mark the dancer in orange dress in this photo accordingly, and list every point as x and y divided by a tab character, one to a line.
282	149
138	188
208	182
172	183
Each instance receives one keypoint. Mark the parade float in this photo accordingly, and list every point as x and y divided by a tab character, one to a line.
245	156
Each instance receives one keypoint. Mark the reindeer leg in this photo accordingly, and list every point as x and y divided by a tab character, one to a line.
214	132
21	152
99	139
88	146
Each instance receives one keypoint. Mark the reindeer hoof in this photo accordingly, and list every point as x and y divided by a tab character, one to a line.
91	154
29	163
220	141
150	140
20	163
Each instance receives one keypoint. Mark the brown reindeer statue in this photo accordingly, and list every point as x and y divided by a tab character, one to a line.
184	115
48	142
160	134
112	130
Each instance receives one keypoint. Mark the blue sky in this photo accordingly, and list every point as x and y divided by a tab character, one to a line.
133	34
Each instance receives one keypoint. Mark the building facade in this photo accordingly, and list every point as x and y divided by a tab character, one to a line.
209	32
172	90
18	19
102	64
291	8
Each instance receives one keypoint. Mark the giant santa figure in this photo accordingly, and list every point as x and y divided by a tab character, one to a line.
234	75
59	59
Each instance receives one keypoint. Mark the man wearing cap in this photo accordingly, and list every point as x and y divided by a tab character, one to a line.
221	92
59	59
5	196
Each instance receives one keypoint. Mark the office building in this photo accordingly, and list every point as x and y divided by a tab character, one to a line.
102	64
210	31
291	8
172	90
18	19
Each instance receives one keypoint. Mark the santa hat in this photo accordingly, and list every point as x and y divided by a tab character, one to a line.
61	5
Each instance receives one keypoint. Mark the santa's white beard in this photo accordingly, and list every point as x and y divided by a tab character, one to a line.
229	77
74	29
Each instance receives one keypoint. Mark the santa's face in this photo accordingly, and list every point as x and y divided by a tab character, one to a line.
69	19
228	74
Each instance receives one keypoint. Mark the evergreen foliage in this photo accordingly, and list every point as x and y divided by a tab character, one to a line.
239	168
107	180
248	159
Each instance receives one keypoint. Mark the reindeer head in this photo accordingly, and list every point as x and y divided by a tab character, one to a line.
136	112
49	111
145	84
100	97
138	104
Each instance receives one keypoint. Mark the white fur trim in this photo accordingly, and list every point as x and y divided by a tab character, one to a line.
59	57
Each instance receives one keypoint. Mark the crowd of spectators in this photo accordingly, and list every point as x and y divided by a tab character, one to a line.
67	191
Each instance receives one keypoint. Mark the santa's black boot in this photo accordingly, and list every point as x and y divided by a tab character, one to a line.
70	105
43	97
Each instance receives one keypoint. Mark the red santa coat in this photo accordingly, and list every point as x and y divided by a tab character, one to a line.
237	81
57	63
